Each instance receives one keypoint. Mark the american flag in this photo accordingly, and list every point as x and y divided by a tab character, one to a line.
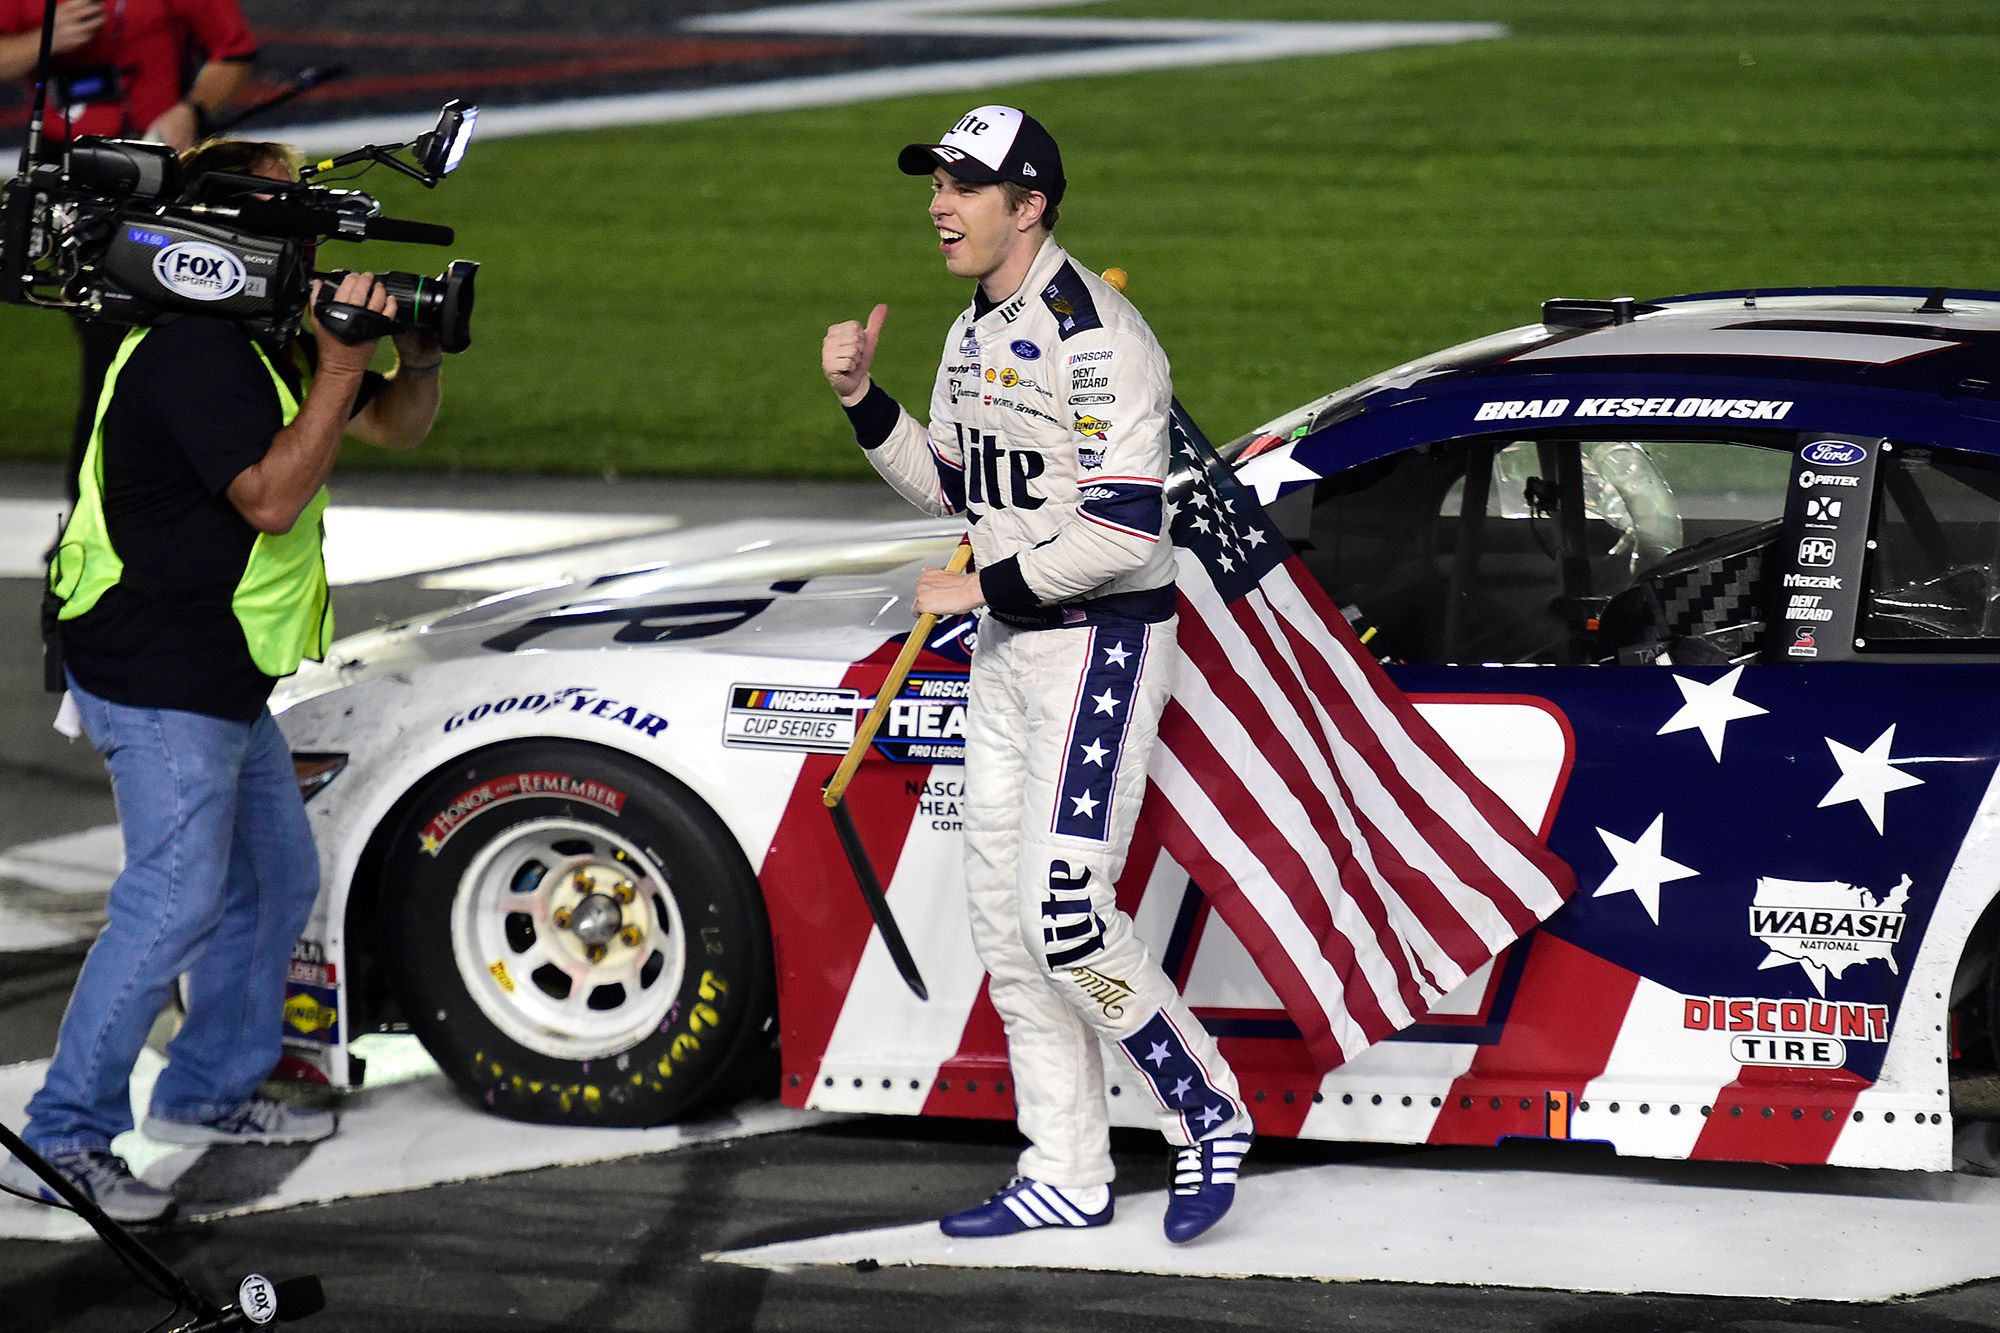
1362	864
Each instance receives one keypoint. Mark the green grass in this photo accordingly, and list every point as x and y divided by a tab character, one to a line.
653	300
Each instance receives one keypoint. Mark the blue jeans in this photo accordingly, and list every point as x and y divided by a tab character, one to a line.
220	876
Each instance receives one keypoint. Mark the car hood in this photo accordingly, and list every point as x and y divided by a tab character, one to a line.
781	588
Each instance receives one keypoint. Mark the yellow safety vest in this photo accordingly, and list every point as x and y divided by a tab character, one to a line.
281	600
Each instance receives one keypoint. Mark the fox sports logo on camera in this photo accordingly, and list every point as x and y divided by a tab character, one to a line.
199	271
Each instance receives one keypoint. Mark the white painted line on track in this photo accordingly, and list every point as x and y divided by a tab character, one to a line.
408	1135
365	543
1146	44
1816	1234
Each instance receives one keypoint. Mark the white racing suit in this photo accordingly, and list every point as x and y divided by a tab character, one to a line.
1048	429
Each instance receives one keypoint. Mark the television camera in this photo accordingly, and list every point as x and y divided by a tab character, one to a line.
108	229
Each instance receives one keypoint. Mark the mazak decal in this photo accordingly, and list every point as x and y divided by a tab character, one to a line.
1793	1033
926	723
1826	926
514	787
791	717
1833	453
573	699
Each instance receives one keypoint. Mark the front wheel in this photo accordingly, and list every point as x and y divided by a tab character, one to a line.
576	938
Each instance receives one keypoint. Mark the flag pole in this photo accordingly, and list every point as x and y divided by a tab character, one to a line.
834	794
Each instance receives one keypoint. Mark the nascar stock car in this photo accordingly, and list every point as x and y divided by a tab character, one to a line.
1706	588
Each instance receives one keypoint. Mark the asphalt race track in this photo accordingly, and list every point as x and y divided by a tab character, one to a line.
634	1235
403	1240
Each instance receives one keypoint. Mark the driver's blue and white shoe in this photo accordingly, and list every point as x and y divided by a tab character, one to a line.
1026	1205
1204	1184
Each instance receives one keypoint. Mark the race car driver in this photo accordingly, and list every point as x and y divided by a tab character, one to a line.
1048	430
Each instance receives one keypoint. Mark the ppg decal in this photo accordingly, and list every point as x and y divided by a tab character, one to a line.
199	271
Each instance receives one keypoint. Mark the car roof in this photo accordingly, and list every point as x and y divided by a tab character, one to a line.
1921	364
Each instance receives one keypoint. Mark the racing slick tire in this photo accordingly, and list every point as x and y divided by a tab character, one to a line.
576	938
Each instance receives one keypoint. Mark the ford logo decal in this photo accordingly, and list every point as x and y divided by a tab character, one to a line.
1834	453
1026	350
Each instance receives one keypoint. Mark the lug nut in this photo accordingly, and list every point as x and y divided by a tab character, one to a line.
561	917
624	892
581	883
629	937
595	953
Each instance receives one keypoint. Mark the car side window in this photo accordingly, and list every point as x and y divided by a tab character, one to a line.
1510	549
1934	568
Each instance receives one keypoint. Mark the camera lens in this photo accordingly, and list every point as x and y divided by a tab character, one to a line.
440	306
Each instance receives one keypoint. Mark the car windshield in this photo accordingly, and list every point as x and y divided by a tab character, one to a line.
1336	406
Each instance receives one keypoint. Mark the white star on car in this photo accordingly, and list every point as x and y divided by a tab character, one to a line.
1107	703
1159	1055
1267	473
1641	868
1116	654
1709	708
1085	805
1094	753
1866	776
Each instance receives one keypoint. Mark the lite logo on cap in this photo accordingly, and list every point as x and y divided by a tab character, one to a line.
989	144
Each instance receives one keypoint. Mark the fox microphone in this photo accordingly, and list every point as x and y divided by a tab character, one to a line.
260	1301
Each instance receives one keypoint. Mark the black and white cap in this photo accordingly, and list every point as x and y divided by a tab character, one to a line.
993	143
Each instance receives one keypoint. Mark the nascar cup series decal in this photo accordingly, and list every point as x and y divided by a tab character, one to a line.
199	271
925	723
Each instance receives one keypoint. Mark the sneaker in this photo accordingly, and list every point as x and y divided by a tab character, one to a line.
101	1176
259	1120
1024	1206
1204	1185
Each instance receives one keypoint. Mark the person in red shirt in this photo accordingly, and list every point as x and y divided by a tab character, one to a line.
121	67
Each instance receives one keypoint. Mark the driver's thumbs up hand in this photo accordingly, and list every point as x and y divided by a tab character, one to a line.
848	352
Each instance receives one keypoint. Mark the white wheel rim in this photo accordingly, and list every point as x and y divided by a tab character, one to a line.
555	928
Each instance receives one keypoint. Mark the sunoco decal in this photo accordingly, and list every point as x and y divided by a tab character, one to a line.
514	787
199	271
1809	1033
1826	926
791	717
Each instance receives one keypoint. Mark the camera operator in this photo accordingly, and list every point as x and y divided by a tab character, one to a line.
190	579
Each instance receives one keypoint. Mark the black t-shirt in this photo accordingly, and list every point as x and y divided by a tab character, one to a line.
193	407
